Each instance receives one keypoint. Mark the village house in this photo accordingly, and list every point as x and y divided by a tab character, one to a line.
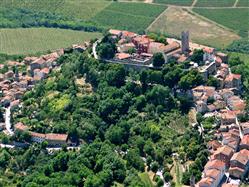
245	128
213	145
209	54
215	164
215	174
224	154
206	182
239	164
227	117
233	81
244	144
56	139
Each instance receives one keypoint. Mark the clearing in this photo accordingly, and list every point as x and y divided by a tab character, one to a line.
34	40
174	20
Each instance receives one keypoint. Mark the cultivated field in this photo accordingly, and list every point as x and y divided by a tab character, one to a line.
244	3
129	16
29	41
175	2
233	18
215	3
174	20
79	9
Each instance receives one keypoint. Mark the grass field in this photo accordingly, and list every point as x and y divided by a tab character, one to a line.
79	9
175	20
29	41
146	179
233	18
244	3
129	16
175	2
215	3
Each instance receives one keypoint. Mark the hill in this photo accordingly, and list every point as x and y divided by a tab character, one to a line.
34	40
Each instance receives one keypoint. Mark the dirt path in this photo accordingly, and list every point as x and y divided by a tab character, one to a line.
148	1
155	20
235	3
194	3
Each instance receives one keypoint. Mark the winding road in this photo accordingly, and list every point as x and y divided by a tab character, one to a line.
7	121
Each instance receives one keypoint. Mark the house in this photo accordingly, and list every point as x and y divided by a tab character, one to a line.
122	56
229	185
215	164
240	160
215	174
244	144
224	154
233	81
245	128
213	145
227	117
156	47
206	182
20	126
142	43
209	54
116	33
9	74
201	106
56	139
235	103
222	56
37	137
128	35
126	47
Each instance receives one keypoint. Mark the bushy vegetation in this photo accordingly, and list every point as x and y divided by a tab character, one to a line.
239	46
243	3
233	18
215	3
125	117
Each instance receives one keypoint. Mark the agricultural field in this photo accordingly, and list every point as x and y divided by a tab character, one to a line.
215	3
243	3
35	40
175	2
77	9
174	20
128	16
233	18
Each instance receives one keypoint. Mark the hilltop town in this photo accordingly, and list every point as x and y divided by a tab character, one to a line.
229	146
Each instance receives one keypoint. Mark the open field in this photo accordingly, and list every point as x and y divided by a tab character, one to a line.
129	16
146	179
215	3
175	2
29	41
79	9
174	20
233	18
244	3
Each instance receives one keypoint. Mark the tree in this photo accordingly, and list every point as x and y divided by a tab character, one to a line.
167	176
197	56
106	50
116	75
154	167
158	60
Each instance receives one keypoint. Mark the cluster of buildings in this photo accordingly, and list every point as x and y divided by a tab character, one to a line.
139	49
229	150
22	76
52	138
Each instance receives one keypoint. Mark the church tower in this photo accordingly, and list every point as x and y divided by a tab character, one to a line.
185	41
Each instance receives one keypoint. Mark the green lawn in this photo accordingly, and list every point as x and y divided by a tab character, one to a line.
34	40
175	2
233	18
129	16
243	3
215	3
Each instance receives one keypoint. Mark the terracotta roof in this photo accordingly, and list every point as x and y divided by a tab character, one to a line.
56	137
20	126
214	144
208	50
115	32
205	181
45	70
39	135
230	185
241	158
245	140
236	169
128	34
215	164
122	56
232	76
219	60
225	150
171	47
245	152
213	173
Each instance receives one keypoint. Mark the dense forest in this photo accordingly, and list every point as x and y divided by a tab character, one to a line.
127	122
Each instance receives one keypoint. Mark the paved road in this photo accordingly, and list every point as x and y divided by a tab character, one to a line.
7	121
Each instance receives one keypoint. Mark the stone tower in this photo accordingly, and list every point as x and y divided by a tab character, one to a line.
185	41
